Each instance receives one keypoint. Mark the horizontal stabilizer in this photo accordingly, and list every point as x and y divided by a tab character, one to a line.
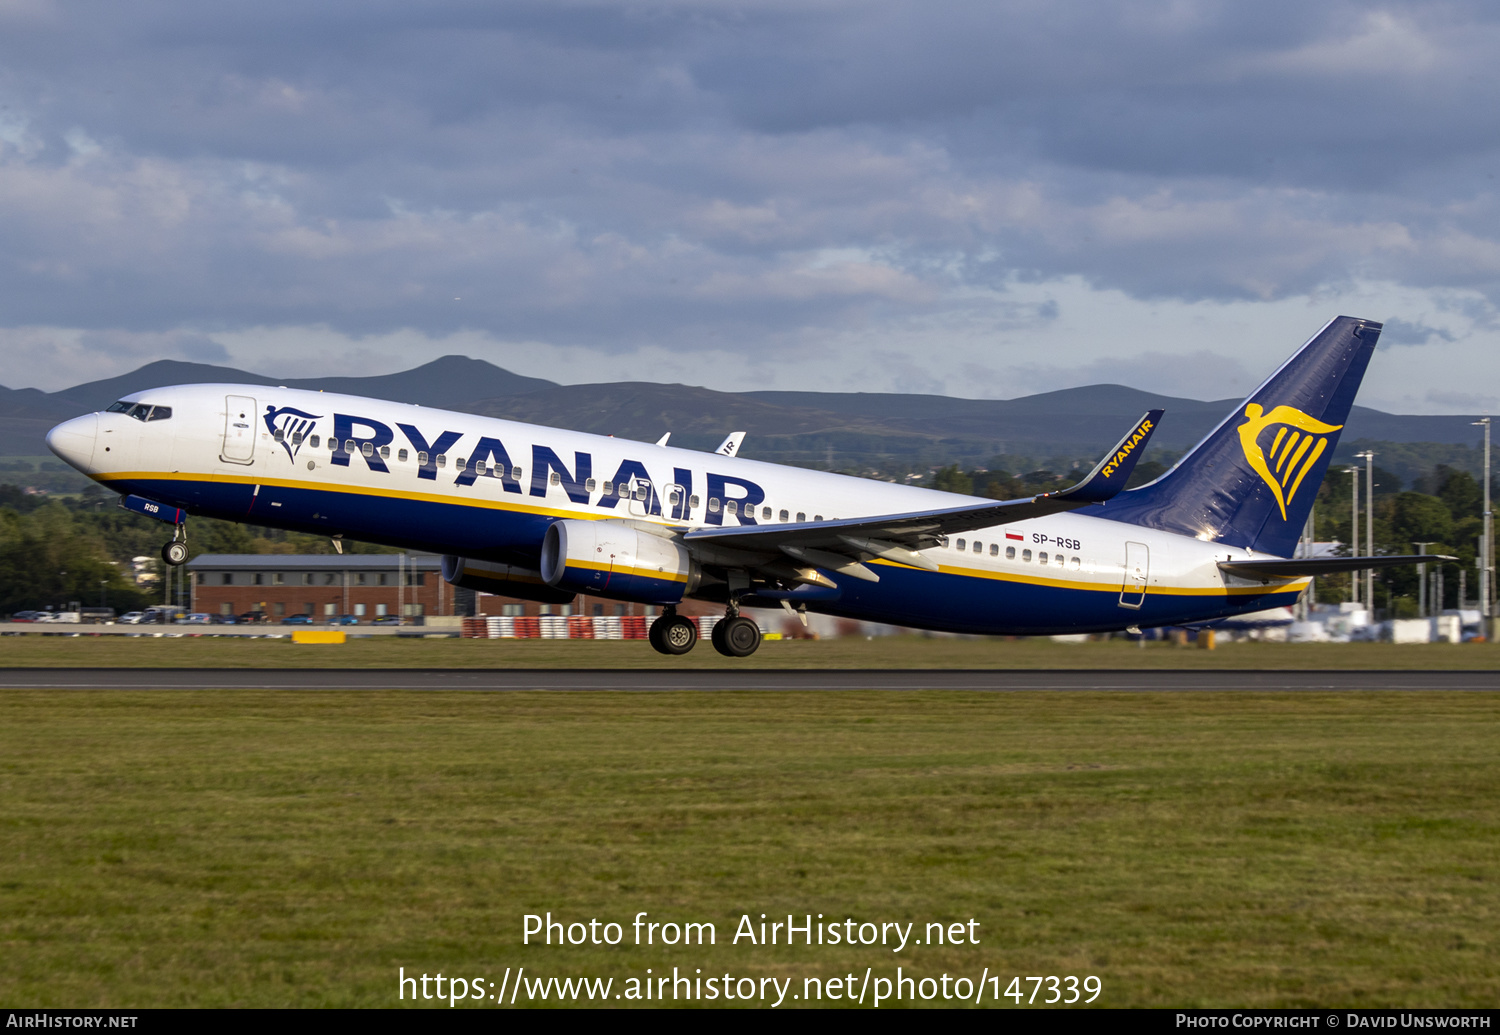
1301	567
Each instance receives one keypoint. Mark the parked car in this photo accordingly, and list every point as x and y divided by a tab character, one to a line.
225	620
386	620
297	620
27	616
253	618
196	618
132	617
343	620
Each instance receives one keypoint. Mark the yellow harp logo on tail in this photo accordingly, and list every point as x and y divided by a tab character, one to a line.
1299	441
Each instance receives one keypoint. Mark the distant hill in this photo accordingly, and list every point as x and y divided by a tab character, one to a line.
455	382
861	431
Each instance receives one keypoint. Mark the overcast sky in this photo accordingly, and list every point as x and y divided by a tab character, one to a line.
983	199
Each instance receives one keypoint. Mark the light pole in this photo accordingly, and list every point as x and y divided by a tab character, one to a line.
1309	595
1369	459
1487	543
1354	532
1422	581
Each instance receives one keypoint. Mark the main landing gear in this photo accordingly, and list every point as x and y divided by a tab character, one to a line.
175	552
672	633
734	637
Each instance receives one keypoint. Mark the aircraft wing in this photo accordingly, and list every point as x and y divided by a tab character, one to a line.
897	536
1299	567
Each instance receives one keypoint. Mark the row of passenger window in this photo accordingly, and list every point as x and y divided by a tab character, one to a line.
1056	560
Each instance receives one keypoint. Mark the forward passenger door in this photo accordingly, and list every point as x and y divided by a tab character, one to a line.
239	430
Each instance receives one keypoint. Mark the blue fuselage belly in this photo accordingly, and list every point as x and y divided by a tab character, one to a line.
904	596
998	606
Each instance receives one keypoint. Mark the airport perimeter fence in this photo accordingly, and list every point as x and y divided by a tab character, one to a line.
570	627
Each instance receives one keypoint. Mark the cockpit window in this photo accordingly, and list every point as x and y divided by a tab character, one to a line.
141	411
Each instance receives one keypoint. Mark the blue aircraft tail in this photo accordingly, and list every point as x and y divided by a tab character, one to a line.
1251	483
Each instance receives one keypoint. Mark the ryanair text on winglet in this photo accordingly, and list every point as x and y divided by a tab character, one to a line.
1141	431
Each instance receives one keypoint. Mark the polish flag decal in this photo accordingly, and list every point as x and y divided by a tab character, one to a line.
1014	535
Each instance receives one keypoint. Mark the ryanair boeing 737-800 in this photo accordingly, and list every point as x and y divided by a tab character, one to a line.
545	514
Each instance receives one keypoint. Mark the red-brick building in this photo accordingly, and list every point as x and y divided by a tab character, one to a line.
366	586
323	585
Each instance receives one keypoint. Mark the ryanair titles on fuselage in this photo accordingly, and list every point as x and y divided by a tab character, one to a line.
370	440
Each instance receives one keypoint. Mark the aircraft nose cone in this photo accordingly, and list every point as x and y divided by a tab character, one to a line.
73	441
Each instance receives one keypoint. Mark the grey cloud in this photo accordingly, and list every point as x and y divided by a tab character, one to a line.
145	346
611	175
1464	402
1404	332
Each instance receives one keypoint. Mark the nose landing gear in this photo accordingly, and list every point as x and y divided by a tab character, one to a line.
175	552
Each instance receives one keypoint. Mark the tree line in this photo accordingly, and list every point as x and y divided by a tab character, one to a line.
55	551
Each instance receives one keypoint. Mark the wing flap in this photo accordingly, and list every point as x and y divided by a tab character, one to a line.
922	529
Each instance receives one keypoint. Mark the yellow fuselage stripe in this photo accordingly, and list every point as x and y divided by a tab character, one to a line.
519	507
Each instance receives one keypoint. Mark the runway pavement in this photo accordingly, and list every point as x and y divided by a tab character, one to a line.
751	679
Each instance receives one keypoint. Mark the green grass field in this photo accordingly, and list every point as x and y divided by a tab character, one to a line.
889	652
271	849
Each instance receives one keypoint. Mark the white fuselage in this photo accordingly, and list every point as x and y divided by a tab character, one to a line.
457	483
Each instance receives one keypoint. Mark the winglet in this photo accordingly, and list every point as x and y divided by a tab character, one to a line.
1110	475
731	445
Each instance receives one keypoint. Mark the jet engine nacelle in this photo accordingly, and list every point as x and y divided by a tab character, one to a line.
504	579
614	559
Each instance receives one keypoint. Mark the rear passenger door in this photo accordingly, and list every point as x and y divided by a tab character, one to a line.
1137	570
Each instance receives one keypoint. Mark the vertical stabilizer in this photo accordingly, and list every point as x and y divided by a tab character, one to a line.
1251	483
